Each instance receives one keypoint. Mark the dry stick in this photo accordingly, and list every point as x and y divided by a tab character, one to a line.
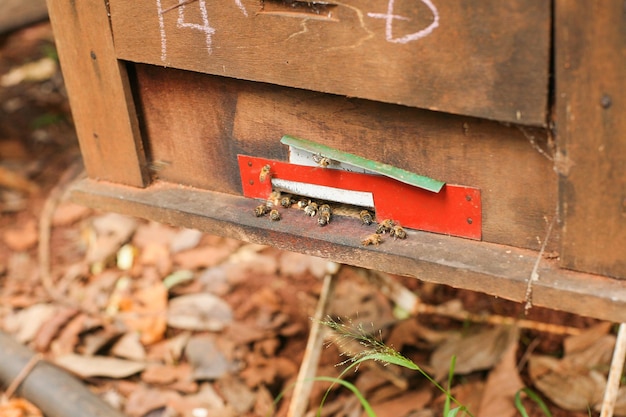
410	302
45	225
534	275
21	376
615	373
304	382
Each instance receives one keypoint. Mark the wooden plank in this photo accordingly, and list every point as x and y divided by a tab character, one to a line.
487	58
99	93
199	123
494	269
591	133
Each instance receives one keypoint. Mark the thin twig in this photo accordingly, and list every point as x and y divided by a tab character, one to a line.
615	373
21	376
45	225
534	275
411	303
313	350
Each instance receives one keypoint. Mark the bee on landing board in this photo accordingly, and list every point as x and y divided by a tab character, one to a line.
311	209
373	239
366	217
324	213
261	210
265	172
398	232
286	201
274	215
385	226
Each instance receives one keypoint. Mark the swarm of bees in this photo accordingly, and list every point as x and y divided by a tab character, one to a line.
323	211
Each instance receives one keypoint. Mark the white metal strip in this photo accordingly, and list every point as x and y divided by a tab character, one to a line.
322	192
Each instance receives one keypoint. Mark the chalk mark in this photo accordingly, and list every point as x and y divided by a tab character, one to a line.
390	17
204	27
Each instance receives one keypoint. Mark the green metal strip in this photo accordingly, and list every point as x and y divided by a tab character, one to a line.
399	174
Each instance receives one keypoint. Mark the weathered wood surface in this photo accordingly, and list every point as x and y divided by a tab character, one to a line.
487	58
197	124
591	133
99	93
493	269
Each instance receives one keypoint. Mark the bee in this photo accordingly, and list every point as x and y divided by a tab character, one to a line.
274	215
398	232
321	160
311	209
274	198
366	217
324	213
261	210
385	226
286	201
373	239
265	172
303	202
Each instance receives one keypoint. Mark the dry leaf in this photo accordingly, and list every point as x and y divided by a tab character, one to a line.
502	384
237	394
202	257
142	400
19	407
129	347
185	239
25	324
40	70
474	352
146	313
49	330
207	360
90	366
573	382
199	312
109	233
402	405
68	213
21	236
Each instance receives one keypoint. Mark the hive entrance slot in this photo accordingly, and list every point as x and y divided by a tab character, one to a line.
301	9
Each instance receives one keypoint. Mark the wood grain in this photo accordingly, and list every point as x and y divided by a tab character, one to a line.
478	266
99	92
199	123
487	58
591	134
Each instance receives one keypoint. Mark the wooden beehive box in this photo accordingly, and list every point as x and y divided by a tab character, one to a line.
522	100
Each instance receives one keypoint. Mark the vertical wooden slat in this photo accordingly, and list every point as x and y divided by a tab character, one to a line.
99	92
590	69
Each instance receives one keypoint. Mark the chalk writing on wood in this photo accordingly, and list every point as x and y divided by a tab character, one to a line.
208	30
390	17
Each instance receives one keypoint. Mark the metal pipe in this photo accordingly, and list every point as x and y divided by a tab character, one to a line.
53	390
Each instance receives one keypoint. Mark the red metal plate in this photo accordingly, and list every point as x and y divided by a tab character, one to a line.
456	210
